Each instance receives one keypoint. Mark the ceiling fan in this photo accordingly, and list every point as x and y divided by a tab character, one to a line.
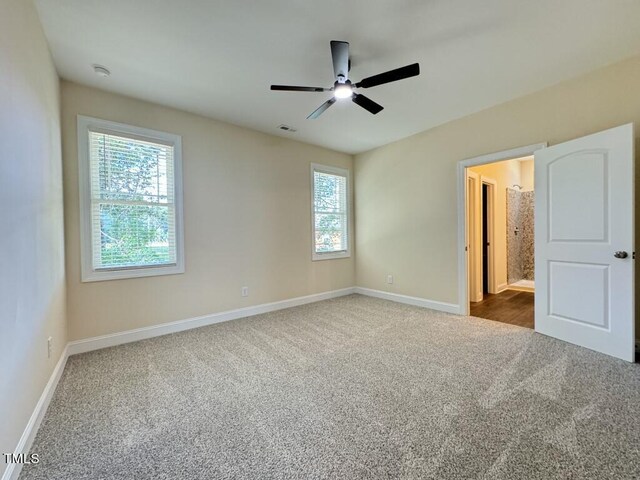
343	88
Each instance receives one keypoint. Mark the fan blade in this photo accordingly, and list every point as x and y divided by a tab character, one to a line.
340	57
320	110
390	76
366	103
291	88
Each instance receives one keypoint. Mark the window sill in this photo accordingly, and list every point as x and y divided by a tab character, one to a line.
104	275
329	256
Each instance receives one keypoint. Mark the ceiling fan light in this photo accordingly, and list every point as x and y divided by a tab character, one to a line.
343	91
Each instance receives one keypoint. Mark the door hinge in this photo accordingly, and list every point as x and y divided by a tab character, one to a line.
633	255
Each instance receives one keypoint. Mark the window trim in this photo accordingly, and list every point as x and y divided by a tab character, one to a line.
316	167
88	273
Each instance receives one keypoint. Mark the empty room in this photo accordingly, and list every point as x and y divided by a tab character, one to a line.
338	240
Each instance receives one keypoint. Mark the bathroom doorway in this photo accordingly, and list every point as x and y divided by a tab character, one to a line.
500	216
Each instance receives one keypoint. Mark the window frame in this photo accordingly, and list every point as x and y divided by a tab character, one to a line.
88	272
315	256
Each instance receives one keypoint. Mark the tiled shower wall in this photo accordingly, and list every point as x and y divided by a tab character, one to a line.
520	258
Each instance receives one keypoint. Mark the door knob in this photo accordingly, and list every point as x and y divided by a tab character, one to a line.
621	254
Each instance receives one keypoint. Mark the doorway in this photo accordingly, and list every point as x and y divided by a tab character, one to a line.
500	200
584	256
485	239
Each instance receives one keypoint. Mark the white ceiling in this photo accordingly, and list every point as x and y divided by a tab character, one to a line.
218	58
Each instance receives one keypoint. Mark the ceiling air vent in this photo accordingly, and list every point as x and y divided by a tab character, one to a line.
287	128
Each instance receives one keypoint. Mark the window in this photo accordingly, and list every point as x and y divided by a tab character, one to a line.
330	212
130	201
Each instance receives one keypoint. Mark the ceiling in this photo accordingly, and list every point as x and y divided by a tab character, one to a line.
218	58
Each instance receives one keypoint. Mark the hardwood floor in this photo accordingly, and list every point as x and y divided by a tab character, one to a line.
509	306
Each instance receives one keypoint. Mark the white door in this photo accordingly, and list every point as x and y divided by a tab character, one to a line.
584	238
474	237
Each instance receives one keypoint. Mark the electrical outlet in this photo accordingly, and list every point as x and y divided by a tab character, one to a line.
389	279
49	346
244	291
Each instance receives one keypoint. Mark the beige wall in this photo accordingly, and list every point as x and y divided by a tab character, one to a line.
406	191
526	175
505	174
247	221
32	282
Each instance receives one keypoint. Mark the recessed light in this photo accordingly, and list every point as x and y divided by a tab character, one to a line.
101	71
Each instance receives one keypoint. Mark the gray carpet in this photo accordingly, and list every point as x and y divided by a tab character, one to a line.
354	387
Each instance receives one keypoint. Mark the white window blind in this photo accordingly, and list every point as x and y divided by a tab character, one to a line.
330	212
132	202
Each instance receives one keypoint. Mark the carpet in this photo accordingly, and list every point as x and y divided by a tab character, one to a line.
352	388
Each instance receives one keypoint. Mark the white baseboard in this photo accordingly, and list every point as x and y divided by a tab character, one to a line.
113	339
521	289
26	440
502	287
417	301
